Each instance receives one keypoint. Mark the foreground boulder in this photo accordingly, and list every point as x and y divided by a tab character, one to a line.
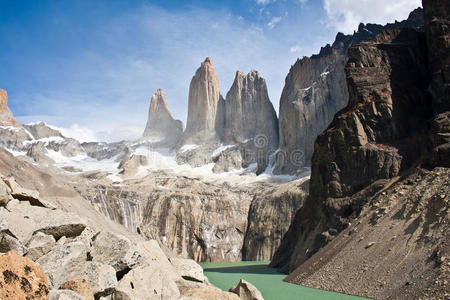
22	278
39	245
80	286
188	269
25	220
146	282
247	291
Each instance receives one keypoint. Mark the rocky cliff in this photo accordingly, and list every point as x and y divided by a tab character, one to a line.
315	90
249	115
379	138
6	116
204	95
380	133
161	127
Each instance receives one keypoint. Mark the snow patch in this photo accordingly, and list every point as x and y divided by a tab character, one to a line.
186	148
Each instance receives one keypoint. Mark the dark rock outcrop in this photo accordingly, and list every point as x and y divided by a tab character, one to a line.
381	132
161	127
315	90
438	39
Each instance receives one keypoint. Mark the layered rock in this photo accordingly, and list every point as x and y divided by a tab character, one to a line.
204	95
161	127
438	39
381	132
315	90
249	115
6	116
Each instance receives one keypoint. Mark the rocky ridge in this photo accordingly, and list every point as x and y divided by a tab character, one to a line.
315	90
377	186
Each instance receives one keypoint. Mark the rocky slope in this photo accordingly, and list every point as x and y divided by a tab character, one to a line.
366	170
6	116
161	128
54	253
315	90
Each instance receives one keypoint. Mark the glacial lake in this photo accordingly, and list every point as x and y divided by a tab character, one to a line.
269	282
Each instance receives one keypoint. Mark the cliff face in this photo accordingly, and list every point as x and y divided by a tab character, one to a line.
381	132
204	94
6	116
249	115
161	126
315	90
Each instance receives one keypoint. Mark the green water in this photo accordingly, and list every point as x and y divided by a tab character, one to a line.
268	281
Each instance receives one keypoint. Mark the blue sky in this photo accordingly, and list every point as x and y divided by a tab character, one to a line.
91	67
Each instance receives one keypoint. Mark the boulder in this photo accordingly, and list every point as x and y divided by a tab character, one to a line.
80	286
228	160
64	295
39	245
196	290
64	262
9	242
146	282
5	192
117	251
188	269
247	291
22	278
25	220
23	194
101	278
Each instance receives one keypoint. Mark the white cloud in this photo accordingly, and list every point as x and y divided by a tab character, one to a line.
274	21
264	2
295	48
82	134
302	2
345	15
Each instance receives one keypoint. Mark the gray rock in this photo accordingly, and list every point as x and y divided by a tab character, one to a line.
102	278
8	242
188	269
146	283
63	263
41	131
247	291
228	160
5	192
24	194
117	251
25	220
39	245
64	295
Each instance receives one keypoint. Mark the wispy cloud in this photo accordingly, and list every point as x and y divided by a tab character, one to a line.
274	21
295	48
264	2
345	15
